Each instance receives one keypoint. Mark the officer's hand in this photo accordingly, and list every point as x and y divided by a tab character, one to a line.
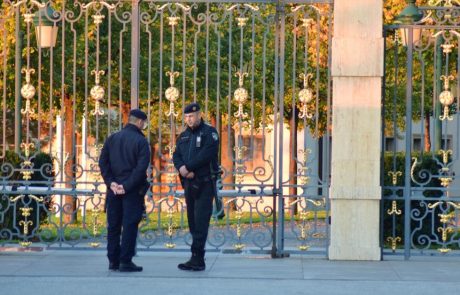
114	187
120	189
190	175
183	171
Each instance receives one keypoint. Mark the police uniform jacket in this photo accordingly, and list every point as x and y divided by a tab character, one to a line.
197	149
125	158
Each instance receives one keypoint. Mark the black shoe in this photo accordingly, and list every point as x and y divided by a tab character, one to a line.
114	266
129	267
194	264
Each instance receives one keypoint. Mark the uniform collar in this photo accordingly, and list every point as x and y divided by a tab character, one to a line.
133	127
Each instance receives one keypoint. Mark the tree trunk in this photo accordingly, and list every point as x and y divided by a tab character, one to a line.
292	161
69	174
156	160
125	108
226	162
427	133
227	143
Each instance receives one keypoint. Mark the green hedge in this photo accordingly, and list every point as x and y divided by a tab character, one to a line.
7	214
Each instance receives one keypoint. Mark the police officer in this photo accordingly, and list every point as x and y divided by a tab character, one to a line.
195	158
124	160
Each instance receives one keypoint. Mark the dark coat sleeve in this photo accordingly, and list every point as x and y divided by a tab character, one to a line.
104	163
206	154
138	175
177	156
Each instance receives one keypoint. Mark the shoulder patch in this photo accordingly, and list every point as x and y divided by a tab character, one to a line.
215	136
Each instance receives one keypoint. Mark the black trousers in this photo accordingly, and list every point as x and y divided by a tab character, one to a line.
199	211
123	216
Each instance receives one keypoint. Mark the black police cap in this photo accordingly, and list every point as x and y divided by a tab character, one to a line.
191	108
138	114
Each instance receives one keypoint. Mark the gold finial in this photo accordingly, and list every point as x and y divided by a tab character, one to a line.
98	18
242	21
394	176
172	76
97	75
173	20
306	22
447	48
394	209
241	76
28	17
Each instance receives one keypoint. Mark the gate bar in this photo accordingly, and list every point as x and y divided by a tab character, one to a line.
17	84
282	16
407	172
135	54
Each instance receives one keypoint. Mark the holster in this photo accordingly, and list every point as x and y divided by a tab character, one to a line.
194	186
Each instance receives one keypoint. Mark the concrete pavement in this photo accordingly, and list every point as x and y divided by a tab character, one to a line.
85	272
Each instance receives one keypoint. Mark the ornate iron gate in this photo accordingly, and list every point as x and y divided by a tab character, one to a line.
421	133
256	67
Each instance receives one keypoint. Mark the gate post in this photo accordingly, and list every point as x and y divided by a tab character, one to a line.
357	70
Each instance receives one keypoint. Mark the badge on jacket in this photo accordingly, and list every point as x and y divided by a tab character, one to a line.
215	136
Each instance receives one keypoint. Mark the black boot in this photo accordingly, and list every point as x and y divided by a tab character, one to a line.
129	267
114	265
195	263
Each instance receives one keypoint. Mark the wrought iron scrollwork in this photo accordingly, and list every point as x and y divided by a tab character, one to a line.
446	98
305	96
241	95
172	94
97	93
201	44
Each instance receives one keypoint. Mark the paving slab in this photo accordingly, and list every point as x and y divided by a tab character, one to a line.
85	272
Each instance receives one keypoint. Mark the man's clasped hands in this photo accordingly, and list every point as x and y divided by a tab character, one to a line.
117	189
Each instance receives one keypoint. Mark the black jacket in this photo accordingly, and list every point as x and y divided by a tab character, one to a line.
200	158
125	158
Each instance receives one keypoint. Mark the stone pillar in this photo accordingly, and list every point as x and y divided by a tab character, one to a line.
357	69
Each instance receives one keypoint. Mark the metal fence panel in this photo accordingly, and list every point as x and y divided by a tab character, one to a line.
256	67
420	212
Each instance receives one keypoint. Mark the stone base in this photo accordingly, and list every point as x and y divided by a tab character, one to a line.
355	230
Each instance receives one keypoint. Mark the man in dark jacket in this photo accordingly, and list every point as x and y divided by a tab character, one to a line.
195	158
124	160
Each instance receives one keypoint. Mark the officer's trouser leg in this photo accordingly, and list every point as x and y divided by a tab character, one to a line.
114	223
190	202
132	214
202	212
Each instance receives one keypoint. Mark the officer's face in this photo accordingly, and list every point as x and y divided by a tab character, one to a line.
193	119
